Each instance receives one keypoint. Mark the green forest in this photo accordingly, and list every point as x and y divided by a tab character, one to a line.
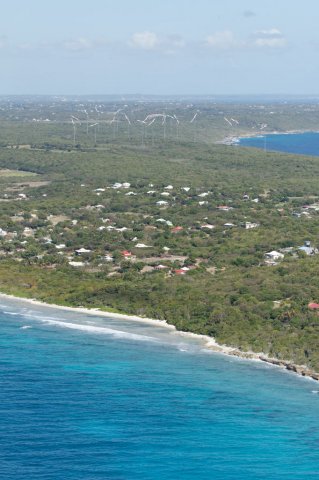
167	223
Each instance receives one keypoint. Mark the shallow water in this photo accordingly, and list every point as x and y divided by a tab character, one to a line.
86	397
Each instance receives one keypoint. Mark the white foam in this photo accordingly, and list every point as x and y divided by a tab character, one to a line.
92	329
25	327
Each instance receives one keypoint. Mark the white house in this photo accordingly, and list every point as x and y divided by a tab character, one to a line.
249	225
82	250
274	255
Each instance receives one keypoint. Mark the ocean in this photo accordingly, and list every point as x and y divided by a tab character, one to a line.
89	397
302	143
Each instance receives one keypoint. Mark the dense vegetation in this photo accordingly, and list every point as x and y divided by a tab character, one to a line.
58	197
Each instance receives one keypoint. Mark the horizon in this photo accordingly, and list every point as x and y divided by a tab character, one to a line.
208	96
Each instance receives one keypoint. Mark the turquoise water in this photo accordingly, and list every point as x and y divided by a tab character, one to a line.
83	397
302	143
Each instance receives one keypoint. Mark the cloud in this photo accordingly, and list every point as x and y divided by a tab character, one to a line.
150	41
78	44
82	44
144	40
224	40
272	38
249	13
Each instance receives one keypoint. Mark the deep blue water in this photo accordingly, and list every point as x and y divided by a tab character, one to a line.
83	397
302	143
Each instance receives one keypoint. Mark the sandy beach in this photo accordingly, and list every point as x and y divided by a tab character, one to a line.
208	342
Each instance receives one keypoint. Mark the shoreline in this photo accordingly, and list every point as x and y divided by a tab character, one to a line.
209	342
235	139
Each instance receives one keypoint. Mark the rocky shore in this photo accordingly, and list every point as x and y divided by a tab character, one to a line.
301	370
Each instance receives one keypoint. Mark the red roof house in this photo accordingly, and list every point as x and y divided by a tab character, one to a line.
177	229
313	306
179	272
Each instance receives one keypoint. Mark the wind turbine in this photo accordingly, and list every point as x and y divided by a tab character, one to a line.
177	126
87	121
74	121
129	125
94	125
192	121
151	123
74	131
194	117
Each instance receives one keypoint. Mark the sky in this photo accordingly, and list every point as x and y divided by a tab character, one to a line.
159	47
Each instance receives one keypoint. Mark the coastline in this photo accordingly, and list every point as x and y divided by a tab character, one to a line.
235	139
209	342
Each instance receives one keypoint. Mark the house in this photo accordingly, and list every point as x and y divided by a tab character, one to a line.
142	245
249	225
208	226
121	229
169	187
161	202
82	250
274	255
177	229
76	264
308	249
180	272
313	306
160	267
224	208
126	254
